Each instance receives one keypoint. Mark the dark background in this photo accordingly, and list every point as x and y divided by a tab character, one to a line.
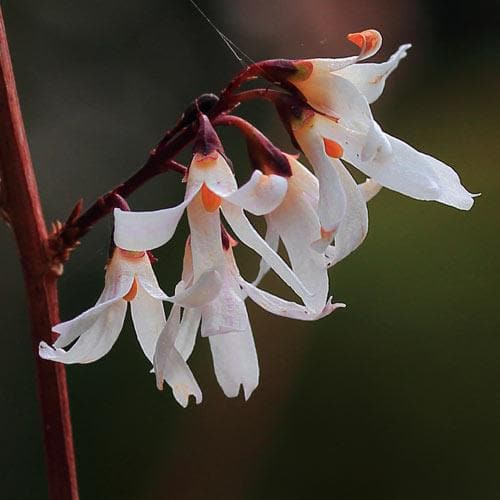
396	397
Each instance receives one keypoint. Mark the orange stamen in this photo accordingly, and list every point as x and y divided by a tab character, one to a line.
366	40
130	295
333	149
357	39
326	235
210	200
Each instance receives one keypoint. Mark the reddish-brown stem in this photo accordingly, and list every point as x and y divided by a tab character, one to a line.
247	95
263	154
249	73
243	125
22	209
76	227
42	254
159	161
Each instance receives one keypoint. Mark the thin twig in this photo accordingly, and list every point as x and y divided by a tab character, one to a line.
247	95
160	159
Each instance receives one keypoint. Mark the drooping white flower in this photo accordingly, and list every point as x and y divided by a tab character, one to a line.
340	125
211	186
129	279
404	170
224	320
333	86
296	221
370	78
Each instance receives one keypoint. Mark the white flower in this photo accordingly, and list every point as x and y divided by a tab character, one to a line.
224	320
341	91
129	279
323	81
296	221
211	186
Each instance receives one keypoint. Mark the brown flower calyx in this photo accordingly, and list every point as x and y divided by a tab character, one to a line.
207	141
265	156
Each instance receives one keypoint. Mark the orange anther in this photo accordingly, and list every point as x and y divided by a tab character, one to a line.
371	40
333	149
210	200
368	41
357	39
326	235
130	295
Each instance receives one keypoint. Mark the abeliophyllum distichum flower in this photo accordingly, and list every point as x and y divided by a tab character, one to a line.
331	120
320	216
211	189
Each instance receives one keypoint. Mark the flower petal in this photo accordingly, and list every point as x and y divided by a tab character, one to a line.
113	292
332	199
369	78
188	329
261	194
298	226
248	235
227	312
148	316
235	361
118	281
214	172
281	307
164	344
94	342
206	242
306	181
272	238
449	188
70	330
369	41
319	66
354	226
205	289
408	171
369	189
337	97
139	231
376	144
171	367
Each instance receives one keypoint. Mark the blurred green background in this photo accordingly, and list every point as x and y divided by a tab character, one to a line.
396	397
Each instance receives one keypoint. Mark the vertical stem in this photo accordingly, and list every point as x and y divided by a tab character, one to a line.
20	206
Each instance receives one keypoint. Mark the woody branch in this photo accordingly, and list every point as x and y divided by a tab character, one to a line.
42	253
160	159
23	212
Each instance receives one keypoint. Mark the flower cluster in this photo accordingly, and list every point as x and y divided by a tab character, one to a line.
320	216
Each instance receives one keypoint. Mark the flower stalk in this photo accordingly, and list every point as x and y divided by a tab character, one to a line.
160	159
43	253
22	210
